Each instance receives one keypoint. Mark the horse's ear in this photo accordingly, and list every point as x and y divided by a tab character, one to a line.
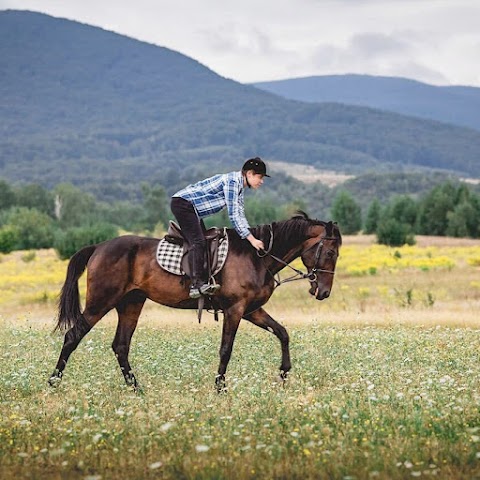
329	229
335	231
300	214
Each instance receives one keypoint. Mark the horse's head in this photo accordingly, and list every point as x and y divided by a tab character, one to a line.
319	255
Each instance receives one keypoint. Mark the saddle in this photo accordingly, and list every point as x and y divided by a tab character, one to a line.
214	237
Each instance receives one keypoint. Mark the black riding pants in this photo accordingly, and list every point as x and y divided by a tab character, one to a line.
193	230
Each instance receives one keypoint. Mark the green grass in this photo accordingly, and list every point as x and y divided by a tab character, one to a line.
361	402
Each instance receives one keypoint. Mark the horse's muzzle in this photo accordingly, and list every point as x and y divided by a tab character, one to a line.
319	293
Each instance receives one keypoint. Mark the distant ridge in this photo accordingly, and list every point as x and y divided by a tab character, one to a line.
457	105
107	112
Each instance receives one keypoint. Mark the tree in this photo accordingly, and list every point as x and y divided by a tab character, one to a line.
156	206
8	239
33	229
35	196
373	217
73	207
432	219
73	239
7	195
290	209
261	210
126	215
346	212
403	209
463	221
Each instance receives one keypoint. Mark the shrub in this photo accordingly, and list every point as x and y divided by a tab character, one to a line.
73	239
8	239
395	234
34	229
29	256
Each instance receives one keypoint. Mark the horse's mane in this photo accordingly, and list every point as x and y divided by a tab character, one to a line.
287	233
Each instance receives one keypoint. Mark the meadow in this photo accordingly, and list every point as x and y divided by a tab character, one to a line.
385	379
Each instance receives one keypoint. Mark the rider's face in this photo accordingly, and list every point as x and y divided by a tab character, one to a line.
255	180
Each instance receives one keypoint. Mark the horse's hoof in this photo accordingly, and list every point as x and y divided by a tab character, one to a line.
220	384
222	390
283	375
132	383
55	379
138	389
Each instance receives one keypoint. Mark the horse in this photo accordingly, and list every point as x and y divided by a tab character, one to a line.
123	272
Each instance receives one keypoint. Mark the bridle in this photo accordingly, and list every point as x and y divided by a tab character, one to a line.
299	275
318	254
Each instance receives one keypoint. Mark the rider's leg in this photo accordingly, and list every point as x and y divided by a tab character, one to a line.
193	230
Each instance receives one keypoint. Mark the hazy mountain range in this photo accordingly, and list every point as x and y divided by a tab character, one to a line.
104	111
453	104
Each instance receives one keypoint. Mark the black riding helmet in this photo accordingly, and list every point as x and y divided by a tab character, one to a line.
257	165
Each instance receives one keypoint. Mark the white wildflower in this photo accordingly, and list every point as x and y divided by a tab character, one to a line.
166	426
202	448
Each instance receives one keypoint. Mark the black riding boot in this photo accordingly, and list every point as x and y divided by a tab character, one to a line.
200	285
197	257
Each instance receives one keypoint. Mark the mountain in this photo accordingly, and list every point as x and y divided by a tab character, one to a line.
107	112
456	105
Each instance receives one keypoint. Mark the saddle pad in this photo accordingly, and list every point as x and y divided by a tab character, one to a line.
169	256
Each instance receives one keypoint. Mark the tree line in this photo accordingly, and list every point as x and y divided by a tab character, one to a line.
67	218
448	209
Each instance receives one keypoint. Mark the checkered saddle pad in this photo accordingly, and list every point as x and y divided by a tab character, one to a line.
169	256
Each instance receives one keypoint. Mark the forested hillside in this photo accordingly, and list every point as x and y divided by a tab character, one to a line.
450	104
107	112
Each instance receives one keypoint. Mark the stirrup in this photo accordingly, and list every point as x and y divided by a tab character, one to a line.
209	288
194	292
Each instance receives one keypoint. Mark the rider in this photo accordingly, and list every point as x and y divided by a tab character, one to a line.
199	200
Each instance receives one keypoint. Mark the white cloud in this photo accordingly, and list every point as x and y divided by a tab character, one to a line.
430	40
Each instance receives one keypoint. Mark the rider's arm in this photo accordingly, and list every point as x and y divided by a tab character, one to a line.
236	212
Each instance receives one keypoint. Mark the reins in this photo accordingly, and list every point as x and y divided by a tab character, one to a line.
299	275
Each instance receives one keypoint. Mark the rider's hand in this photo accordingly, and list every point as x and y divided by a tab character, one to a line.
256	243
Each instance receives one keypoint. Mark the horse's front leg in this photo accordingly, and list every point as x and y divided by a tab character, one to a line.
262	319
231	320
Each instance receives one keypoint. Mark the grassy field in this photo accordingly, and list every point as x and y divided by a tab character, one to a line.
385	379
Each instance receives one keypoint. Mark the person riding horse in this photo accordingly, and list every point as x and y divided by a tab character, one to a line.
207	197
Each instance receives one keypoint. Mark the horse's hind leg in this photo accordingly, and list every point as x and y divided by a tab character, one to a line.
262	319
128	312
72	338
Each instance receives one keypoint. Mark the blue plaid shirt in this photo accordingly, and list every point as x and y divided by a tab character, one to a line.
213	194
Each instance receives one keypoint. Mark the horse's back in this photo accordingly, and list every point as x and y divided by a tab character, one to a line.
125	246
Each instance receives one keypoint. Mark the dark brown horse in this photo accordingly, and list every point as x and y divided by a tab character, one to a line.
122	273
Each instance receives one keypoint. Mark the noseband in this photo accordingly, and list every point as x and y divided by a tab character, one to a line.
312	276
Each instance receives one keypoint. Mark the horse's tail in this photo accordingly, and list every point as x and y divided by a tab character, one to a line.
69	303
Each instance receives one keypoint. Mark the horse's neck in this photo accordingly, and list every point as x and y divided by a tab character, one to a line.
286	250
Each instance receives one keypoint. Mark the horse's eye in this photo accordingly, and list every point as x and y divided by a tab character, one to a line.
330	253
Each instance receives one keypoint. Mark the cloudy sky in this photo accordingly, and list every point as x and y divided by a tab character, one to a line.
434	41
